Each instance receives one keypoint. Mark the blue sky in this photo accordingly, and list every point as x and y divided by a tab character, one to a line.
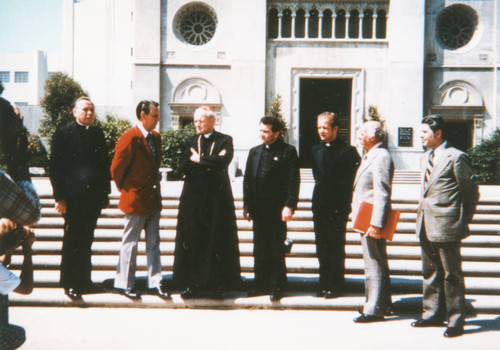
27	25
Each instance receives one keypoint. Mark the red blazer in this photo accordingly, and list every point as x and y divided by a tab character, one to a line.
135	171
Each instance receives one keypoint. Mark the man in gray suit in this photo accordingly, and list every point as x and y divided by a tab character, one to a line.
448	201
373	184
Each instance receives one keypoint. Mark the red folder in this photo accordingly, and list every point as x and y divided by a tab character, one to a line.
363	219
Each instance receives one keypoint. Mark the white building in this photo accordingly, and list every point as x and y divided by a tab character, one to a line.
406	57
23	76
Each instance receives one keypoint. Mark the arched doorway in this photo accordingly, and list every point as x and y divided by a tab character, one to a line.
462	107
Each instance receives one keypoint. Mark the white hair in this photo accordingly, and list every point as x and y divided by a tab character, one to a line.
204	111
375	129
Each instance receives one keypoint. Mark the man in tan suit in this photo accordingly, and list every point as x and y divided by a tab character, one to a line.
448	201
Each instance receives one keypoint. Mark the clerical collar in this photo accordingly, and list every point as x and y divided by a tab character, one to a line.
144	132
208	135
85	126
331	143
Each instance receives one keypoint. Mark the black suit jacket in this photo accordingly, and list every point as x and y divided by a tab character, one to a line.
13	142
334	177
280	186
79	164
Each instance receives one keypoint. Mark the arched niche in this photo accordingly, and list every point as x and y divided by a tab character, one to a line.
189	95
460	101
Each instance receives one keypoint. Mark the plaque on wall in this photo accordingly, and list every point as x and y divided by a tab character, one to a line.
405	137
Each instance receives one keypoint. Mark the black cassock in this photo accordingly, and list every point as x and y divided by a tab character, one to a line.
206	245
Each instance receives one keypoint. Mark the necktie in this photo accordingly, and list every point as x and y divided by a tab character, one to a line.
151	143
430	165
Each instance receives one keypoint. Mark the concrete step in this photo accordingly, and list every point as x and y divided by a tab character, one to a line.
297	300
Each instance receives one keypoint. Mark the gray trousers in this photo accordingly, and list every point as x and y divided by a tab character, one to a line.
377	280
444	289
125	272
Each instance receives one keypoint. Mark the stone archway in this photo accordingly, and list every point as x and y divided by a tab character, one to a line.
189	95
461	105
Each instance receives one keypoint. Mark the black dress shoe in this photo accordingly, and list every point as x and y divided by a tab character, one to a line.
157	291
390	311
73	294
427	323
129	293
188	294
452	332
364	318
321	293
331	294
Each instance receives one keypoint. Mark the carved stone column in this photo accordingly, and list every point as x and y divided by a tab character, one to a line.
360	25
478	129
174	122
306	29
280	16
347	19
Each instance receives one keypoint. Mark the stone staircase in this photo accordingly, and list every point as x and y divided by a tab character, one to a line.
480	251
400	176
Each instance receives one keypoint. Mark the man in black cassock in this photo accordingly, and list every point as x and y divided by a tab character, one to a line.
80	178
270	194
334	168
206	246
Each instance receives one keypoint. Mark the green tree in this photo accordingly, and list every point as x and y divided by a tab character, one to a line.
485	159
61	91
172	144
373	114
37	154
275	111
113	128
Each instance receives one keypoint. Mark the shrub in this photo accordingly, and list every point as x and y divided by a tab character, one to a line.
61	91
37	154
275	111
113	128
172	143
485	159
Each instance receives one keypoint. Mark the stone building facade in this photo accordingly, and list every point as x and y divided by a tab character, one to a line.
405	57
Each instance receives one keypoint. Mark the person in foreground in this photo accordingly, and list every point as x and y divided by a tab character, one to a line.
270	195
207	255
334	167
79	174
136	171
373	184
447	205
19	207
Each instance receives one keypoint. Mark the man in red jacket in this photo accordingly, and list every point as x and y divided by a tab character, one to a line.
135	170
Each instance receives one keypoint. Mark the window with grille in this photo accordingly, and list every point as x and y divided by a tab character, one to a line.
5	77
21	77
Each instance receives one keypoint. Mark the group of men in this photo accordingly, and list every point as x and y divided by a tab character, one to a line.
206	253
